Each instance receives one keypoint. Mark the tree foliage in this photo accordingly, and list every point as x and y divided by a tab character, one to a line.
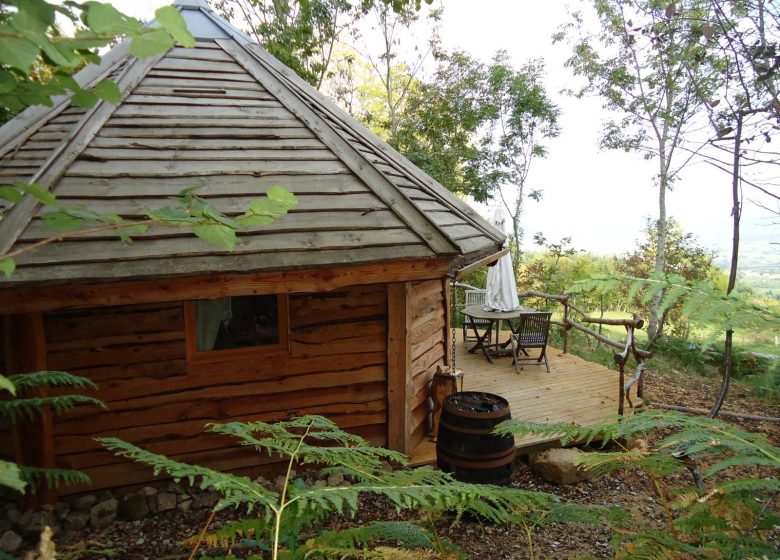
37	59
685	258
648	62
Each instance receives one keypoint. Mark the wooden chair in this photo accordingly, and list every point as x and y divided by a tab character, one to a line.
474	297
532	332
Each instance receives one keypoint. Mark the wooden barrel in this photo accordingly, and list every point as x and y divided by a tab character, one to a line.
465	446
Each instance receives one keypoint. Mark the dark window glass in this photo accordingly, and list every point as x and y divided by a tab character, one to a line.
236	322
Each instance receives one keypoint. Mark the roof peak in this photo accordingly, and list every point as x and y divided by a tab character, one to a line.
193	4
204	23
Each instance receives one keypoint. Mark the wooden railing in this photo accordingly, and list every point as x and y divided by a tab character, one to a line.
627	349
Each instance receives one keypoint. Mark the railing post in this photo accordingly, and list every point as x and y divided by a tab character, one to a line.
566	325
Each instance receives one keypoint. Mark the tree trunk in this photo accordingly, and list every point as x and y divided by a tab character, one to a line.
655	323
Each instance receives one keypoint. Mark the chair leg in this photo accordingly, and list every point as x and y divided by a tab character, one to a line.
544	355
515	351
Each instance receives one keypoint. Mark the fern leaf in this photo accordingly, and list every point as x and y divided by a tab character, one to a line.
51	379
52	478
14	409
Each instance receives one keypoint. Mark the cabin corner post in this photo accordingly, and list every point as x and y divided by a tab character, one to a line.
449	324
25	348
399	367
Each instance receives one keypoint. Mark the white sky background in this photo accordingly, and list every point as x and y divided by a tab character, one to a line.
600	199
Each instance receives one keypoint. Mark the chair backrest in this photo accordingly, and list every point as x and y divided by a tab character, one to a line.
475	297
534	329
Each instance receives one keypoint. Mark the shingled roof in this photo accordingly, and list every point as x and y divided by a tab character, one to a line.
230	117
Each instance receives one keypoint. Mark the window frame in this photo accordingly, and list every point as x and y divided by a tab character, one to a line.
195	356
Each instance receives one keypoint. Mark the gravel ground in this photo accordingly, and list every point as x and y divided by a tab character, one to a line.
162	536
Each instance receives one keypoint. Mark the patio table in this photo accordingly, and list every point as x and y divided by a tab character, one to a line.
493	318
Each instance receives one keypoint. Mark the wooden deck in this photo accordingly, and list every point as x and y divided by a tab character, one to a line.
573	391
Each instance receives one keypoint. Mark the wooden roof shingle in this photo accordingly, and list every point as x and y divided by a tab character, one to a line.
227	116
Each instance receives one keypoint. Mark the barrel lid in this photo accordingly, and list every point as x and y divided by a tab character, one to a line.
475	402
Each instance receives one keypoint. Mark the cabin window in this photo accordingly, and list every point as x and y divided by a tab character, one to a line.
236	326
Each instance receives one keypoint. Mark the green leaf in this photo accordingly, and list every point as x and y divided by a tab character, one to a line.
7	266
11	194
268	207
151	43
170	19
7	384
217	234
171	215
105	19
61	221
283	196
7	81
17	52
83	98
108	90
253	220
38	192
11	476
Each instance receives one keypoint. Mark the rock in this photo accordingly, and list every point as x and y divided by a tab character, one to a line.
149	491
184	506
105	495
183	498
10	542
76	520
133	507
205	500
13	514
5	525
35	523
279	483
103	514
174	487
164	501
638	443
335	479
559	466
61	509
320	483
387	467
84	502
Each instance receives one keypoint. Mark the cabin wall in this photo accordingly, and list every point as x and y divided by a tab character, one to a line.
335	366
428	339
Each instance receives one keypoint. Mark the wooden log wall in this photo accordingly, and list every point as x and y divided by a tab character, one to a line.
428	339
335	366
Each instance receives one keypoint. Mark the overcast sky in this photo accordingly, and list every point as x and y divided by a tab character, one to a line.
600	199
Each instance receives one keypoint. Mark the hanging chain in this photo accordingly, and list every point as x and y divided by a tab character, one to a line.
454	329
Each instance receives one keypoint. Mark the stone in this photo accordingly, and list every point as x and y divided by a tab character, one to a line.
76	520
279	483
5	525
335	479
61	509
559	466
205	500
638	443
37	521
149	491
320	483
133	507
84	502
10	542
184	506
164	501
386	467
174	487
103	514
183	498
13	514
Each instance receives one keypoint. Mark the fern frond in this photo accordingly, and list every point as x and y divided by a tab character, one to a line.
234	531
401	533
52	478
607	463
7	385
11	476
235	489
14	409
51	379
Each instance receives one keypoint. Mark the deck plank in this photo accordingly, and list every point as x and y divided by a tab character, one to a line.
574	391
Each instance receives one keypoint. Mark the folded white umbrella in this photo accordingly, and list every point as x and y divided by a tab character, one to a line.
501	289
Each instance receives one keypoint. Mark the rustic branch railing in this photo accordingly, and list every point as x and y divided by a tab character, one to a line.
628	348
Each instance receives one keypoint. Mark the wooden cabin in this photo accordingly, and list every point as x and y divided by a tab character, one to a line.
339	308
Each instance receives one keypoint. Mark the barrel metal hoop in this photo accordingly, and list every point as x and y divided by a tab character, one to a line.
506	459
